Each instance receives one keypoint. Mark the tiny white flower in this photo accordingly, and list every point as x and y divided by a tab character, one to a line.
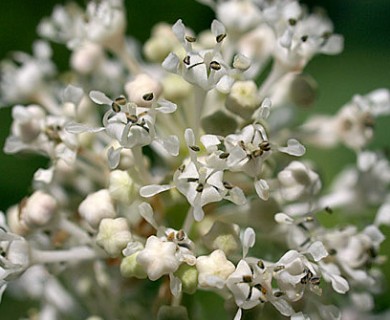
158	258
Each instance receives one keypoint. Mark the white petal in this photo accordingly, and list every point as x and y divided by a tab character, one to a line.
248	240
237	196
225	84
330	312
44	175
179	30
146	212
339	284
283	307
171	63
100	98
262	189
210	142
383	215
198	213
189	137
294	148
299	316
238	314
217	28
283	218
374	234
334	45
166	106
174	284
153	189
114	156
74	127
317	251
72	94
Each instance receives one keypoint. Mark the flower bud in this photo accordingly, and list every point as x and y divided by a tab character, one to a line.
222	236
243	99
303	90
38	210
176	88
188	276
131	268
86	58
143	90
113	235
96	207
121	187
219	123
27	122
15	224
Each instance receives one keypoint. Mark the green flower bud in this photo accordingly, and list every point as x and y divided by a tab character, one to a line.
219	123
223	236
188	276
131	268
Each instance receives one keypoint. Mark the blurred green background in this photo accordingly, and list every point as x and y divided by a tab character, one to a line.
362	67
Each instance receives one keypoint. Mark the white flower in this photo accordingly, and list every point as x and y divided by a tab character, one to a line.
113	235
97	206
158	258
214	269
23	79
297	180
205	68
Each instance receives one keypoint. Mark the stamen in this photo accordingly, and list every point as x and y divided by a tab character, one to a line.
279	268
224	155
315	281
194	148
227	185
247	278
215	65
171	236
131	118
192	179
265	146
278	294
186	60
180	235
190	38
219	38
260	264
292	22
148	96
200	187
304	38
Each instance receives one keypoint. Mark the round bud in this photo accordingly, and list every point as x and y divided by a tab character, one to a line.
243	99
131	268
188	276
303	90
219	123
143	90
96	207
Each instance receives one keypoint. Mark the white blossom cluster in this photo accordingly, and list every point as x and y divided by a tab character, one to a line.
176	170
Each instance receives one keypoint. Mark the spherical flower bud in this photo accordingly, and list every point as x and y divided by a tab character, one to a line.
243	98
188	276
131	268
162	42
96	207
223	236
214	269
303	90
143	90
297	180
219	123
86	58
113	235
121	186
38	210
175	87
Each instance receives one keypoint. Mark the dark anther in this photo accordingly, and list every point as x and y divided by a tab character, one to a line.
199	188
195	148
292	22
247	278
186	60
220	37
192	179
148	96
180	235
328	209
215	65
304	38
190	38
227	185
131	118
265	146
224	155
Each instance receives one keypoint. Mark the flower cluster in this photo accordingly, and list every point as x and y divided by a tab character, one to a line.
183	167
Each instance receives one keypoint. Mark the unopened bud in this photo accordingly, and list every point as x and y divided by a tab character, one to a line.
38	210
131	268
219	123
188	276
243	99
113	235
96	207
143	90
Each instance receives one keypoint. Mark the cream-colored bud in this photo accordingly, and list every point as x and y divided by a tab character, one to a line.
176	88
131	268
113	235
243	98
38	210
121	186
27	123
143	90
86	58
96	207
161	43
223	236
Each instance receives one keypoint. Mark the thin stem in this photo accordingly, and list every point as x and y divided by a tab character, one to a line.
188	221
277	72
199	97
44	99
126	57
53	256
139	162
74	230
